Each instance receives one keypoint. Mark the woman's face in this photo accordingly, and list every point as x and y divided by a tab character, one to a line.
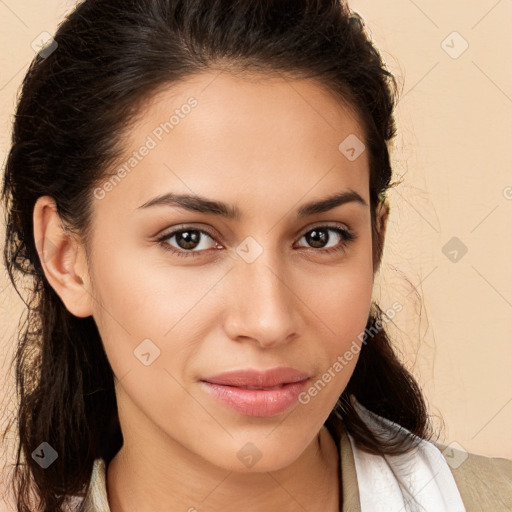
269	287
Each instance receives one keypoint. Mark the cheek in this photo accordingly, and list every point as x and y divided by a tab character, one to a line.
138	300
341	296
349	302
346	317
340	305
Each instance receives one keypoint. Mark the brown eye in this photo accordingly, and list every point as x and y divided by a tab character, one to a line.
319	236
187	239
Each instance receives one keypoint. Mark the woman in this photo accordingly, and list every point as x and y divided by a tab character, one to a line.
198	192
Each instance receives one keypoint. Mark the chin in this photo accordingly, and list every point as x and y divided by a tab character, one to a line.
258	453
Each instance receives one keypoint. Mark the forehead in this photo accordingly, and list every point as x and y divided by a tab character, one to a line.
247	105
218	133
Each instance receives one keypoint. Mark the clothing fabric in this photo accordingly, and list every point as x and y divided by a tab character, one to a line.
413	482
430	478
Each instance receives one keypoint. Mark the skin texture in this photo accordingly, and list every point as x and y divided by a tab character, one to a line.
266	146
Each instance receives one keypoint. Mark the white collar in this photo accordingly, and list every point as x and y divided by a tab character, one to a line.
419	480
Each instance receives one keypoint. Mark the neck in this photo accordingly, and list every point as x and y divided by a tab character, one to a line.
142	480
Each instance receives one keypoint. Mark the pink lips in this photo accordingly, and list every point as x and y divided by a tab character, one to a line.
277	389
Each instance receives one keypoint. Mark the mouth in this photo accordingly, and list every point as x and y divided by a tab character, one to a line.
254	392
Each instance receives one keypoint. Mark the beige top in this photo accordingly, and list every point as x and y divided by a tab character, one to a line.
485	483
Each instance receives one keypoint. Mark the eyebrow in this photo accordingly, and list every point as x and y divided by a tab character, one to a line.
200	204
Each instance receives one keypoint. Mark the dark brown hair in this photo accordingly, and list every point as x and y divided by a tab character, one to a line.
75	104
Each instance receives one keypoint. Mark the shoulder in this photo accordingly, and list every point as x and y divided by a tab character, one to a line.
484	483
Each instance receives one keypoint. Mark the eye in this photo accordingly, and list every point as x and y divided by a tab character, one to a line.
189	238
318	237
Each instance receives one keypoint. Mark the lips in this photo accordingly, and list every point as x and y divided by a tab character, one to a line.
260	393
274	378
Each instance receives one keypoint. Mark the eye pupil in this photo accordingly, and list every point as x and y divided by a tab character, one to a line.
191	238
317	236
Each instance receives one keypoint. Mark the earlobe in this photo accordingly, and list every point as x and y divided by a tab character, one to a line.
62	258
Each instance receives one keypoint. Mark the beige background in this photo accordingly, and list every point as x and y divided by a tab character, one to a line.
453	154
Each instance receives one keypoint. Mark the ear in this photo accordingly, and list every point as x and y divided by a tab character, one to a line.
382	219
381	225
62	258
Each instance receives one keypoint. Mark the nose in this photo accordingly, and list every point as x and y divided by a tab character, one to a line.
263	306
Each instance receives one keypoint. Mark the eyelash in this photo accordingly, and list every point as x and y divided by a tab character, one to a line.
346	235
